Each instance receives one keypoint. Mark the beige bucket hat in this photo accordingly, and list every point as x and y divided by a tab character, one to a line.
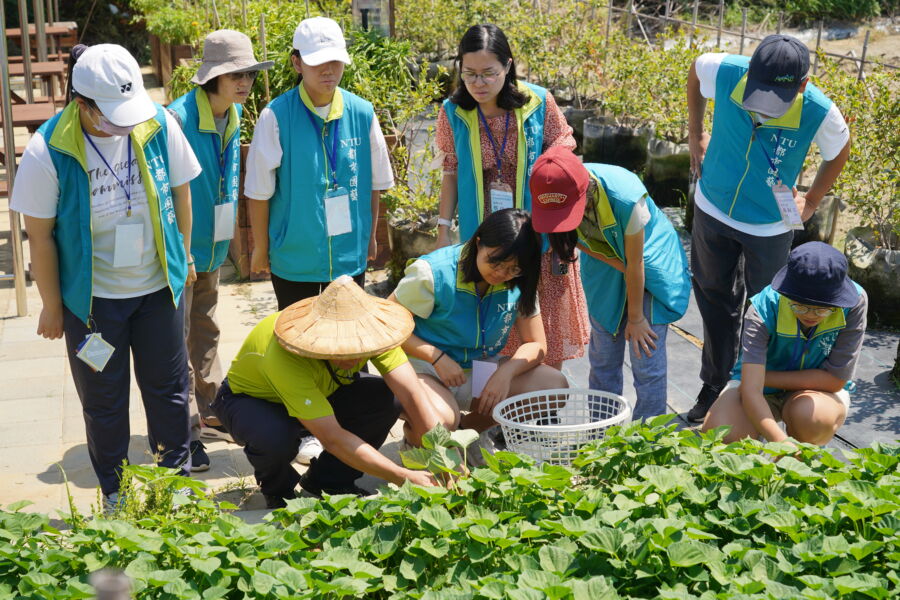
343	322
227	51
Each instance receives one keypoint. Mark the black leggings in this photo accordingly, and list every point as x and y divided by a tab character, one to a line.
271	436
287	292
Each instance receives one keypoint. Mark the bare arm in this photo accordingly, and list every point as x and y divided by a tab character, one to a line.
182	196
807	379
637	328
45	269
825	177
698	140
258	211
753	378
447	207
409	392
355	452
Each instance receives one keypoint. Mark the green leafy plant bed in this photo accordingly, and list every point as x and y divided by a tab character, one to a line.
650	512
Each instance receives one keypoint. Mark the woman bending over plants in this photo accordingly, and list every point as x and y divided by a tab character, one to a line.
465	300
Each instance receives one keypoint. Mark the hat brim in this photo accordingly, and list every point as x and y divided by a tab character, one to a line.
300	330
128	113
844	296
768	100
314	59
209	71
558	220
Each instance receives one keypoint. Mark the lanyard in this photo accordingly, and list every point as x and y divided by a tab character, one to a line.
499	155
482	318
331	157
763	146
127	190
800	349
222	154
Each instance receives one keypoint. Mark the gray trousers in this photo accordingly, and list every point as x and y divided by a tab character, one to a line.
201	331
728	267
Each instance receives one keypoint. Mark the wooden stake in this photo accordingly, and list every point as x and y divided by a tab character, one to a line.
743	28
694	21
719	26
265	56
818	45
862	59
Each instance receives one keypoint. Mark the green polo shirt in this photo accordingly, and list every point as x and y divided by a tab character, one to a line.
264	369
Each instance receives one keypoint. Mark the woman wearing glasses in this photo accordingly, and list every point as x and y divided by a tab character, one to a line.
466	299
801	340
489	133
210	116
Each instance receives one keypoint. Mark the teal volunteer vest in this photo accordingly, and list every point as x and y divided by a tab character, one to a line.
789	348
467	143
737	177
72	232
299	246
459	317
666	274
218	183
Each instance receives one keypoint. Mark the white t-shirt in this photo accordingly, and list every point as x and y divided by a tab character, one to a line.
416	290
640	216
36	194
831	137
265	153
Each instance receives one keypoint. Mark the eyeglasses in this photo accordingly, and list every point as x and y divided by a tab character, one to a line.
511	271
249	75
802	309
486	78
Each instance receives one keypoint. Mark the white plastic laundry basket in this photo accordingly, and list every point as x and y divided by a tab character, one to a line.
551	425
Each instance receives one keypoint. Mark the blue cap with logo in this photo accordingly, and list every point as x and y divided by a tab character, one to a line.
777	69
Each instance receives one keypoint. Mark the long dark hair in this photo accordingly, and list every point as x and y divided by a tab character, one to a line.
563	245
491	38
510	231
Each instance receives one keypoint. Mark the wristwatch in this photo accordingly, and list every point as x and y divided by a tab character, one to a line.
443	221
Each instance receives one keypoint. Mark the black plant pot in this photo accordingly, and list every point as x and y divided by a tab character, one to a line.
668	172
606	142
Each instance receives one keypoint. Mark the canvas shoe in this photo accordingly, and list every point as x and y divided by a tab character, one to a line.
310	448
705	400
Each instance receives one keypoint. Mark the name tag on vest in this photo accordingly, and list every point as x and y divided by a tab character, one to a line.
337	212
129	243
784	198
224	219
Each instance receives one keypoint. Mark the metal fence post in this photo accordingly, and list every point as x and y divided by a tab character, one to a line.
694	21
743	28
265	56
719	27
818	45
862	59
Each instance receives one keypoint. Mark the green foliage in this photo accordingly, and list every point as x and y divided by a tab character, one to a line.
649	512
870	181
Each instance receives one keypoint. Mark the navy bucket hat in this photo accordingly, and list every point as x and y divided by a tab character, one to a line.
816	274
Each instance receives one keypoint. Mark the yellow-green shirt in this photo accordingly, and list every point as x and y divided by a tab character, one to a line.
264	369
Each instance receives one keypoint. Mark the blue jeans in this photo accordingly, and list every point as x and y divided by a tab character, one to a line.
607	356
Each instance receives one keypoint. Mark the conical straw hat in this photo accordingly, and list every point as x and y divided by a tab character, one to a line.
343	322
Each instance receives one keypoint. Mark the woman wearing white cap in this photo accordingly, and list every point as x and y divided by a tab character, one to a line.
315	171
210	116
104	187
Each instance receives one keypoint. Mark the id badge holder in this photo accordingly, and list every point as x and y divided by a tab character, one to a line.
129	244
94	351
784	198
224	222
337	212
481	373
501	196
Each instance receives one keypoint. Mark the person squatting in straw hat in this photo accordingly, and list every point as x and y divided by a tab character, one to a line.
210	116
315	171
104	187
488	134
802	338
635	270
297	374
466	299
767	113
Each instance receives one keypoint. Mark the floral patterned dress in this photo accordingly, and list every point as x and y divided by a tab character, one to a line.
561	297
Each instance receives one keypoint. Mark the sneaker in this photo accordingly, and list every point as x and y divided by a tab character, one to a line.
273	502
199	457
316	490
705	399
310	448
215	432
489	440
112	502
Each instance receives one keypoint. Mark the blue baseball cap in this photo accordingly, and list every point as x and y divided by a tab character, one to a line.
777	69
816	274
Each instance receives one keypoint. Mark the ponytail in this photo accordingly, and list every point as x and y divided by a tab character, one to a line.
74	54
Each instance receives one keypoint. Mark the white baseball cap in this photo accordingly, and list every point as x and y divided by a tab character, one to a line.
109	75
320	40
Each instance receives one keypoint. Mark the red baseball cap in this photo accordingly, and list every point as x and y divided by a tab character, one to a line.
558	185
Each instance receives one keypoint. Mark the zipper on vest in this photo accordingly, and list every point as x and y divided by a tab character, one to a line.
746	170
328	170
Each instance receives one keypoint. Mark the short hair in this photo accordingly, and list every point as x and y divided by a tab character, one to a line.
511	232
211	86
491	38
296	53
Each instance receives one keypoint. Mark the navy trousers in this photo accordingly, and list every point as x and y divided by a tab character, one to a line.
152	328
270	436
